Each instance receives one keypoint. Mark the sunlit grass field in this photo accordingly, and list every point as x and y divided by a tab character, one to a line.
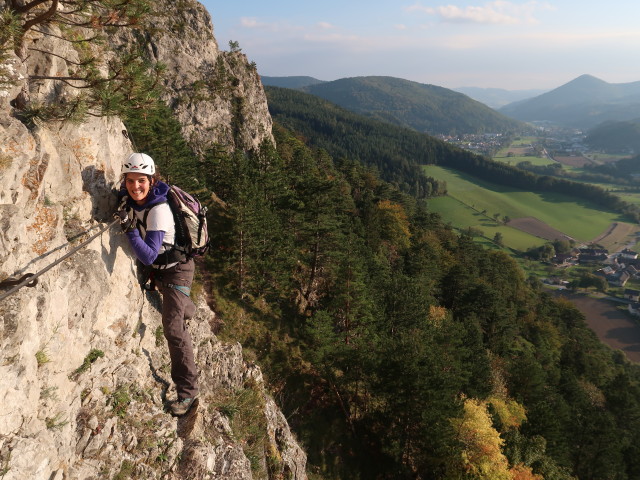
629	197
577	218
462	216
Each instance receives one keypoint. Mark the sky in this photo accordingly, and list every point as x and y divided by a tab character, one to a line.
514	45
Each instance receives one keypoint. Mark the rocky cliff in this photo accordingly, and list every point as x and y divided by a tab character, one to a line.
216	95
83	364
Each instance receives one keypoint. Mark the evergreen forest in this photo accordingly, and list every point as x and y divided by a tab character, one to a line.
397	348
615	137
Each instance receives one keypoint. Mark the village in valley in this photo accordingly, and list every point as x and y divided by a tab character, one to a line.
610	272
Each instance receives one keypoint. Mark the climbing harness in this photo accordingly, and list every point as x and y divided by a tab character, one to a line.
180	288
30	279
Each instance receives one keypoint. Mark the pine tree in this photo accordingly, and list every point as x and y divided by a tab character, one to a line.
97	82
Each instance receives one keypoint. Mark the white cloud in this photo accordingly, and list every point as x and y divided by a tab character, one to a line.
496	12
400	27
249	22
325	25
335	38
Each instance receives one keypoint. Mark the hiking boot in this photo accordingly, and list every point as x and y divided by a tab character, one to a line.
182	406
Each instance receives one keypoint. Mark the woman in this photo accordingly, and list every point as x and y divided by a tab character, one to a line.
147	220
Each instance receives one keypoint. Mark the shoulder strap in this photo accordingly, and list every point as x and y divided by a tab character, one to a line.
144	217
142	224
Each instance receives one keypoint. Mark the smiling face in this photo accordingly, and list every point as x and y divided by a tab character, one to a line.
138	186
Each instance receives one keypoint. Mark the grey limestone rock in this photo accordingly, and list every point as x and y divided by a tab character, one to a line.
83	382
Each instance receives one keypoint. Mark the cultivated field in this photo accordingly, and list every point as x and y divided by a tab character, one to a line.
612	326
574	161
516	159
617	236
600	157
537	228
629	197
521	151
573	217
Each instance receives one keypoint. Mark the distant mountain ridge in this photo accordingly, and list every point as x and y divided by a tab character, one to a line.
290	82
421	107
582	103
498	97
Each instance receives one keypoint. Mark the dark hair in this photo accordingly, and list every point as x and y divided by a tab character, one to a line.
152	178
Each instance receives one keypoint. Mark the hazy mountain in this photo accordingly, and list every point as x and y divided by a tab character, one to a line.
425	108
582	103
290	82
497	97
616	137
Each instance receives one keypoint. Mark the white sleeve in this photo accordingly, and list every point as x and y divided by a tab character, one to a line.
160	218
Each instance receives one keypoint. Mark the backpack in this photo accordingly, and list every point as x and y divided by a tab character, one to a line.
192	235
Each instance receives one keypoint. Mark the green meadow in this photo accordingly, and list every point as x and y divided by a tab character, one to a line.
629	197
462	216
468	197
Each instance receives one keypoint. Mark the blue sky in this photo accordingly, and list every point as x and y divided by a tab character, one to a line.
451	43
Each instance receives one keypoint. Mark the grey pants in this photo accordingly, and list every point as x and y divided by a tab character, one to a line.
176	308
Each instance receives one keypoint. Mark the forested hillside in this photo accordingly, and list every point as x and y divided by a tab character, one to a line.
398	348
397	152
616	136
422	107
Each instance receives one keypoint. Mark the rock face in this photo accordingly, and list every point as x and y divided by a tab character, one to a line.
217	96
83	364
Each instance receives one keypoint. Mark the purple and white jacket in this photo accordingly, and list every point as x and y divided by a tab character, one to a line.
159	234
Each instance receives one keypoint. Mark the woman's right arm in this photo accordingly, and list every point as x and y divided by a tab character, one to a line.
146	250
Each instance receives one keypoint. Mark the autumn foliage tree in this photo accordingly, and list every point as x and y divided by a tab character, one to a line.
482	456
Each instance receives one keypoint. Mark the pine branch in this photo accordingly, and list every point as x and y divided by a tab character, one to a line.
25	8
92	24
66	80
41	18
80	64
49	34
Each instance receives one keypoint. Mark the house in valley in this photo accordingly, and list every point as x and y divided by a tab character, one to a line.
628	254
631	294
618	279
634	309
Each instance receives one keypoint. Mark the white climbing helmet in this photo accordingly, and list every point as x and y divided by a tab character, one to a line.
139	163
